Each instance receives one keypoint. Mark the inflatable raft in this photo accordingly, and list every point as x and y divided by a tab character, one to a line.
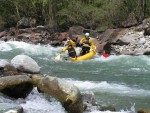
84	57
79	58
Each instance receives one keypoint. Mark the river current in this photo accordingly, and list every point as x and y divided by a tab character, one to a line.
120	81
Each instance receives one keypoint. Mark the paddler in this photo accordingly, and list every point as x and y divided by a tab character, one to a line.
70	47
86	44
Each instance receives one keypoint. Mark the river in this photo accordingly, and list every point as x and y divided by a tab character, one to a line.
121	81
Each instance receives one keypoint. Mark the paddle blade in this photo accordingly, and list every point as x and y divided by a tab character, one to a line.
58	57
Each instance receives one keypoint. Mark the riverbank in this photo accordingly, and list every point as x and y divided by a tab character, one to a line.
121	41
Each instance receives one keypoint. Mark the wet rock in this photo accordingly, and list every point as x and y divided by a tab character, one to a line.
143	111
66	93
88	97
147	51
18	86
10	108
7	69
25	64
106	108
90	103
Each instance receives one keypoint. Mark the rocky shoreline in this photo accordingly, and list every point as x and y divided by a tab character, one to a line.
22	74
127	41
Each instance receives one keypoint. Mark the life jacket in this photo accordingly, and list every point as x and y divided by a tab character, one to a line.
71	49
86	43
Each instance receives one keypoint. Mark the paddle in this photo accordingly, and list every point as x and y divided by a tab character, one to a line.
58	57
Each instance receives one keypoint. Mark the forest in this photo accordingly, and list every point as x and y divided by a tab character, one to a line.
92	14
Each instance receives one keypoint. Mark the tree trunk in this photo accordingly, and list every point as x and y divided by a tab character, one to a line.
51	23
17	11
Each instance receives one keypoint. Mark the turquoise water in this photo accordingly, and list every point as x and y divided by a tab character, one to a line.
120	81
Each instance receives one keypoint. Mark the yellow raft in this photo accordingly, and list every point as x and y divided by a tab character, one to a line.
84	57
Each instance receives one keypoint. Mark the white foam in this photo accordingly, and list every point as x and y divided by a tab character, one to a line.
100	58
5	47
104	86
36	103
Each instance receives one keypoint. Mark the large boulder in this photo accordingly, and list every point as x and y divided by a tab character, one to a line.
143	111
66	93
25	64
7	69
146	26
130	21
26	22
18	86
10	108
76	30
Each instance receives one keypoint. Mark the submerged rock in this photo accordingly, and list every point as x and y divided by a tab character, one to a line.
7	69
18	86
66	93
25	64
143	111
10	108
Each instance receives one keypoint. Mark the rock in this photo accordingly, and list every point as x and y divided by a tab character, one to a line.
76	30
26	22
18	86
147	31
146	23
88	97
8	70
66	93
25	64
2	34
130	21
147	51
125	52
107	108
146	26
109	35
55	43
10	108
143	111
142	40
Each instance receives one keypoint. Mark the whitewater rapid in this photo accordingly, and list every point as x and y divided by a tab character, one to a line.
44	54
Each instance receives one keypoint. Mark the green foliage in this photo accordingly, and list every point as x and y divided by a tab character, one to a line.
93	14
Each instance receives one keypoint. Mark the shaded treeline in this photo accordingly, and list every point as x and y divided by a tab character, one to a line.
92	14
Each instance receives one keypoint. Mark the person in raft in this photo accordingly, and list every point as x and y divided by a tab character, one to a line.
70	47
86	44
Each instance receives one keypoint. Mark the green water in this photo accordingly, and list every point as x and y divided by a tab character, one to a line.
120	81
